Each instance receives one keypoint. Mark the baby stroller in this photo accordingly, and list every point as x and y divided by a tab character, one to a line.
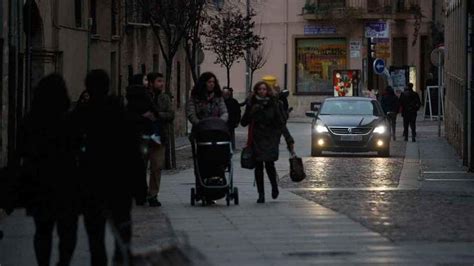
212	156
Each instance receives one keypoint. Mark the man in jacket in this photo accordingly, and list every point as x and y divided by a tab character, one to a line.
410	104
233	108
164	114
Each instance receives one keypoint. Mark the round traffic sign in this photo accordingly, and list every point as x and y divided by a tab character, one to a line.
379	66
437	56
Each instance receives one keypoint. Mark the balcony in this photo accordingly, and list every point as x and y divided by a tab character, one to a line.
360	9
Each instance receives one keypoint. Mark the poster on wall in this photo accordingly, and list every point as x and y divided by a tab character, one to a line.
346	82
400	77
316	59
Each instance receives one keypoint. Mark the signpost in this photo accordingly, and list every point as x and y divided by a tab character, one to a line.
379	66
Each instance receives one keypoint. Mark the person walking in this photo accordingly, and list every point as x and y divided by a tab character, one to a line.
206	100
109	163
233	108
410	104
391	106
164	116
264	115
48	152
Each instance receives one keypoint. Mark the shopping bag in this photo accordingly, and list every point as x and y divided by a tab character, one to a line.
247	158
297	173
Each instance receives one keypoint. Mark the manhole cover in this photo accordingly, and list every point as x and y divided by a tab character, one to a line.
320	253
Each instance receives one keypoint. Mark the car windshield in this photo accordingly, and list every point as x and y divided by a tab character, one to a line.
352	107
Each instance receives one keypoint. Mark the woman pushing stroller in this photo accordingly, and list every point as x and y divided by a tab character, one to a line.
267	121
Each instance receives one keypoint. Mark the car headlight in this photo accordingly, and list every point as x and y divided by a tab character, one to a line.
321	129
380	129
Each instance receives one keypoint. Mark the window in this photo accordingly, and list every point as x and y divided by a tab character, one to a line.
135	13
316	60
342	107
156	63
93	15
113	16
78	13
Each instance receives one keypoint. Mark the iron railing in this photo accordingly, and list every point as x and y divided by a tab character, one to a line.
368	6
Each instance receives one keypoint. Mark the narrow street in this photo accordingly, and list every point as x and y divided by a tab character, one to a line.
352	208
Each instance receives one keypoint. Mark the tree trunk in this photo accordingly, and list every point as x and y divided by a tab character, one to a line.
228	76
170	152
251	82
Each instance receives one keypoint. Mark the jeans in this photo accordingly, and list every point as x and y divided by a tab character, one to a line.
156	158
409	120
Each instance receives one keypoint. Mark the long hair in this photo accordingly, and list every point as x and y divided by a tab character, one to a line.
200	90
137	79
50	96
97	83
269	89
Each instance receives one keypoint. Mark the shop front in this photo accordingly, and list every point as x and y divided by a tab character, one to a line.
315	62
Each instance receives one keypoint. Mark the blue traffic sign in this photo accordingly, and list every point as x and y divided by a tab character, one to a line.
379	66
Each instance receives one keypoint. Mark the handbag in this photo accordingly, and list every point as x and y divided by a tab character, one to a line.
297	173
247	157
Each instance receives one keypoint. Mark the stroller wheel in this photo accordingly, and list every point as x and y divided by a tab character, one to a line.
227	198
193	196
236	196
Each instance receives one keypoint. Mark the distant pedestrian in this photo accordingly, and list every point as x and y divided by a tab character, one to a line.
109	163
48	150
391	106
206	100
233	108
265	117
410	104
164	115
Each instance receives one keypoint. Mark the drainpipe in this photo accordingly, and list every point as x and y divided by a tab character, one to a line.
28	53
469	122
247	68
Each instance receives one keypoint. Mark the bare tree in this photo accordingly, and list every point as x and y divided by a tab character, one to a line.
256	60
229	36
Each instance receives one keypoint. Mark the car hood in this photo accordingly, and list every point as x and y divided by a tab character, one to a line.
350	120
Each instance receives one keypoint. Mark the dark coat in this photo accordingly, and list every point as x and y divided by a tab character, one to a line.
268	123
164	112
233	108
409	102
49	169
390	103
111	163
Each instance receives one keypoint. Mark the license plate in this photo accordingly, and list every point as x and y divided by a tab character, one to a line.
351	138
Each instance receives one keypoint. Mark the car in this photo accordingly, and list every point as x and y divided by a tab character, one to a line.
349	124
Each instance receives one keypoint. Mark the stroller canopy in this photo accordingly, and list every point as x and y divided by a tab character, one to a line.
212	129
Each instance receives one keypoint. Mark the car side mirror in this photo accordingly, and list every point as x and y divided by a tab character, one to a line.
311	114
315	106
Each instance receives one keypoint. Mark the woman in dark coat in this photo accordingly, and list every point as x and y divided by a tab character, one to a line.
264	114
390	106
206	100
49	159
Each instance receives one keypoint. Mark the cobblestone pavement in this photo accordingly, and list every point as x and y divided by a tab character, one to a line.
405	215
352	170
438	212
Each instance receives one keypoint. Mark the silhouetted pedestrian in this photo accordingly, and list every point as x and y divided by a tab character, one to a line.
410	104
110	162
233	108
391	106
48	152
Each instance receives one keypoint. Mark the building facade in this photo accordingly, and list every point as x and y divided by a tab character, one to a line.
458	77
71	37
311	44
